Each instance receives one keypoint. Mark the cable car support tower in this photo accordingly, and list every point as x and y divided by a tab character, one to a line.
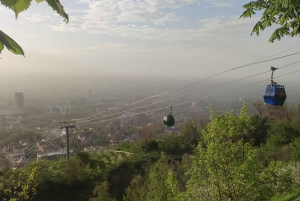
63	125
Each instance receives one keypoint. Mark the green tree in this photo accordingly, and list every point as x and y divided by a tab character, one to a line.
83	156
23	185
74	174
174	144
102	193
154	186
296	117
296	149
258	108
147	133
225	167
280	136
284	13
189	131
276	179
157	185
136	191
18	6
258	130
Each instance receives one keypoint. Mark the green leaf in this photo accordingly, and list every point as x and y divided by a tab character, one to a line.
55	4
274	37
256	28
248	13
1	46
16	5
20	5
10	44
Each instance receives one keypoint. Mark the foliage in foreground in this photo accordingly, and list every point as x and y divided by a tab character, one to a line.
236	157
284	13
290	197
22	186
19	6
225	167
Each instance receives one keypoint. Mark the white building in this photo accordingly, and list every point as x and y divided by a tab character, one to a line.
65	111
54	155
60	110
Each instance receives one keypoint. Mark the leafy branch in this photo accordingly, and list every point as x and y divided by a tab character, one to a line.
10	44
284	13
19	6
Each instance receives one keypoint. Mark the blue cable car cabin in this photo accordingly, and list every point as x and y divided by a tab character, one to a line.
275	94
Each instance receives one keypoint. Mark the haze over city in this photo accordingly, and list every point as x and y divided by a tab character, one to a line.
152	38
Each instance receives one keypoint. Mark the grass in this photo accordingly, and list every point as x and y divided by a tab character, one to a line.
289	197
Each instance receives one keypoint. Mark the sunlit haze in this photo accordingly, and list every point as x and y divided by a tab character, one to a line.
152	40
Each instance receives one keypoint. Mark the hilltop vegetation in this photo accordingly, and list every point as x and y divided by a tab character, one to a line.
233	157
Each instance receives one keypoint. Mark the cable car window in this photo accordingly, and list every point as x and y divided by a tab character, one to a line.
280	94
280	89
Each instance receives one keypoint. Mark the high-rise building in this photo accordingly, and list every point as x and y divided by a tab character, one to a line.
65	110
89	92
19	99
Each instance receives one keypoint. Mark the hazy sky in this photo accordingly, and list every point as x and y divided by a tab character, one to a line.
166	38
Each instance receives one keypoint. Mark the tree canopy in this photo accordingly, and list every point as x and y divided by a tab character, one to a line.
237	157
284	13
19	6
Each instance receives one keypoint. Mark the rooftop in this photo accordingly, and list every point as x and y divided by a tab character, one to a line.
10	112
